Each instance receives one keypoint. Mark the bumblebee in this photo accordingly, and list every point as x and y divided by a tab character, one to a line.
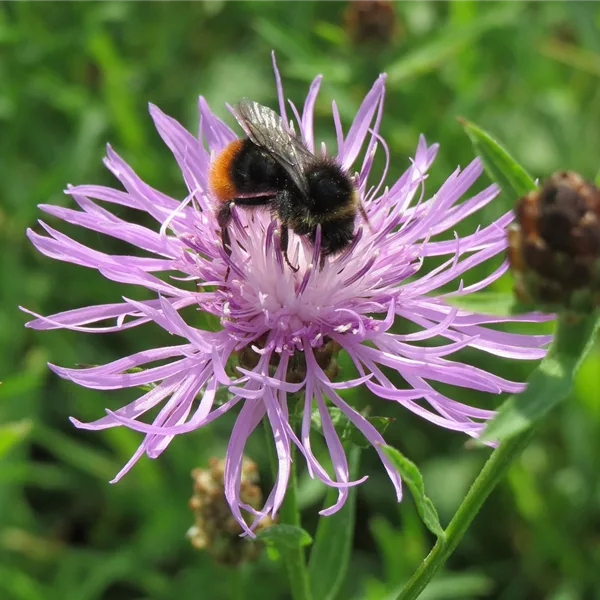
272	167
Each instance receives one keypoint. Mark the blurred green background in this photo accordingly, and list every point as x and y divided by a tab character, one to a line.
76	75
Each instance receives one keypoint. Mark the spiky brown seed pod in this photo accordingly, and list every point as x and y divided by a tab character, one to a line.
215	529
554	247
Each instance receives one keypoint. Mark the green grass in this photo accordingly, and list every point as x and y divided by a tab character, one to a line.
76	75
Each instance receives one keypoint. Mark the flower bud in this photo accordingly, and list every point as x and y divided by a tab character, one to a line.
554	248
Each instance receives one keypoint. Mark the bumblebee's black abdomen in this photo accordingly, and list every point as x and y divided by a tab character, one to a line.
336	235
253	170
330	187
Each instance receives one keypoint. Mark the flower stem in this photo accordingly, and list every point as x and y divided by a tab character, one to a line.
494	469
289	514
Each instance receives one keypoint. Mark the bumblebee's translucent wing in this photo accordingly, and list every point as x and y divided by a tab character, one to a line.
267	130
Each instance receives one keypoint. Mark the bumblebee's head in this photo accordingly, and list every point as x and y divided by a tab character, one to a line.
330	187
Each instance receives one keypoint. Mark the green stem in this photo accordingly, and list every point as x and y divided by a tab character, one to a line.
289	514
493	471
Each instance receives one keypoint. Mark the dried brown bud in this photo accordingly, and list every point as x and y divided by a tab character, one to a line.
554	248
371	21
215	529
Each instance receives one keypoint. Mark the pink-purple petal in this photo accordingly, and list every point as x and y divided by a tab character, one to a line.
358	131
308	113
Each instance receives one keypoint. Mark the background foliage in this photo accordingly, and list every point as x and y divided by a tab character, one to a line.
75	75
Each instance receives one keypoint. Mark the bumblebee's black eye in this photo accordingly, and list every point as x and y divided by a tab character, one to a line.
329	187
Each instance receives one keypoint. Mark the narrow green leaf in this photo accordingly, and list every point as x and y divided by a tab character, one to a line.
598	179
550	383
284	538
412	477
499	164
330	554
13	433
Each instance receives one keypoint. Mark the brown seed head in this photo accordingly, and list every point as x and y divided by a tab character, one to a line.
371	21
554	248
215	529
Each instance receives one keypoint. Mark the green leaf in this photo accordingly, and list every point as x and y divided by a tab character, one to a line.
551	382
284	538
414	480
598	179
331	552
499	164
13	433
346	430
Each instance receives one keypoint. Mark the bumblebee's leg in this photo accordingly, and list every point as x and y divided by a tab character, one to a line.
224	215
224	218
254	201
285	240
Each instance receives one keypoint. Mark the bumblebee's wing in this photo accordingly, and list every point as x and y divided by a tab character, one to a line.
267	130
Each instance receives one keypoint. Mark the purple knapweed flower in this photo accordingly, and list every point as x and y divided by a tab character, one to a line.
285	327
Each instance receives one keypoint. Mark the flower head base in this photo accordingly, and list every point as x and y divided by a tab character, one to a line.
285	328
